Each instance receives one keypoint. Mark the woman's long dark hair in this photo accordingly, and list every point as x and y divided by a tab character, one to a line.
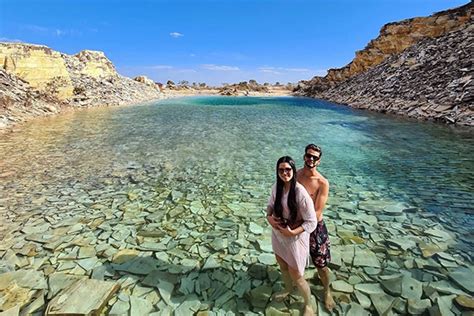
278	208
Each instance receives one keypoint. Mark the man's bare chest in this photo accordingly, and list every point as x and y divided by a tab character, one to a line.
311	186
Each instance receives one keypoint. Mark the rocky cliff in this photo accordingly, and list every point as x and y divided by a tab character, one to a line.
420	67
36	80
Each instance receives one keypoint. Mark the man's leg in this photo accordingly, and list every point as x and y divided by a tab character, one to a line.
324	276
321	256
304	289
285	275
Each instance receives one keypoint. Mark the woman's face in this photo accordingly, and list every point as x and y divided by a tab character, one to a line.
285	172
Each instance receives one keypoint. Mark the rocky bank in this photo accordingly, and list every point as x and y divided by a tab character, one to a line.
36	80
420	67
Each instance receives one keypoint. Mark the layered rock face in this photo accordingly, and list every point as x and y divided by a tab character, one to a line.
35	80
396	37
40	66
420	68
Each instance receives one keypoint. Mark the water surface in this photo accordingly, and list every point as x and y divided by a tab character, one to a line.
200	170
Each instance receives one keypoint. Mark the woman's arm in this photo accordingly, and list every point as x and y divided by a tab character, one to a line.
307	213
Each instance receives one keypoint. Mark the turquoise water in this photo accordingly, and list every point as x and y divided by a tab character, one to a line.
219	152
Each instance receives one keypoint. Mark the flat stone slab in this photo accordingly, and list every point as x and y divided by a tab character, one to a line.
465	301
30	279
382	303
366	258
369	288
464	277
267	258
342	286
84	297
14	311
411	288
255	229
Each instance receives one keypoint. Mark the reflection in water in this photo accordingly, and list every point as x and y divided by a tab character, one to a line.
177	183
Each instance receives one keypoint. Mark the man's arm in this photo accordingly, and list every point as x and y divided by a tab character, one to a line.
321	199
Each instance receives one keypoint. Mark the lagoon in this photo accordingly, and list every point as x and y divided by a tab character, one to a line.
179	187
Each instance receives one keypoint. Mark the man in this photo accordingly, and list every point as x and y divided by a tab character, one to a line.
318	188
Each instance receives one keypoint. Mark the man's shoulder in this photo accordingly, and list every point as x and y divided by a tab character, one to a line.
323	181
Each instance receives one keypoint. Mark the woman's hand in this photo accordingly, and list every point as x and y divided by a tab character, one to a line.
275	223
286	231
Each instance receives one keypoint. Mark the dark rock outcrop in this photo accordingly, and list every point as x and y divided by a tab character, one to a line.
431	79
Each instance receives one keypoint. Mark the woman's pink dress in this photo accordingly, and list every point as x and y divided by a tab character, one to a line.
294	250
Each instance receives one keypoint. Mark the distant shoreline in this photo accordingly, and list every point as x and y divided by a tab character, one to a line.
166	94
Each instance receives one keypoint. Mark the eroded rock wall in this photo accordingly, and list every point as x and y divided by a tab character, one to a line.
36	80
398	36
432	80
421	68
40	66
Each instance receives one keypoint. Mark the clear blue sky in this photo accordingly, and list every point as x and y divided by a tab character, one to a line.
211	41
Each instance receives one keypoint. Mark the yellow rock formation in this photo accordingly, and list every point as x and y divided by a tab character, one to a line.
40	66
95	64
396	37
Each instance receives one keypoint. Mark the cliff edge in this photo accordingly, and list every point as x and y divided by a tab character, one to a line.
420	67
36	80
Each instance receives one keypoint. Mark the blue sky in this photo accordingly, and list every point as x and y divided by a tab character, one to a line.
211	41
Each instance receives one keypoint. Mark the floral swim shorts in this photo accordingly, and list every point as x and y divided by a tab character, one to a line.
319	246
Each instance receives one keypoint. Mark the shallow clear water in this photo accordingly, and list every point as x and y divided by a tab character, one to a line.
221	151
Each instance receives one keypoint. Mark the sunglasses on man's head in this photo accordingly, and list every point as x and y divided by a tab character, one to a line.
284	170
312	157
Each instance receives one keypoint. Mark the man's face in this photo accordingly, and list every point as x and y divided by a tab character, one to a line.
311	158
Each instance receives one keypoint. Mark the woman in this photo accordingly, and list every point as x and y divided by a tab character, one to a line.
291	213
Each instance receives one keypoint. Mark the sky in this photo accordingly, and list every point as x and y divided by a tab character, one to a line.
211	41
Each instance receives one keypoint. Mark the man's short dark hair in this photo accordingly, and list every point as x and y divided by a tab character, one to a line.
315	148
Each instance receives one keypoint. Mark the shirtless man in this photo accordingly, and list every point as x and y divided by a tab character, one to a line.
318	188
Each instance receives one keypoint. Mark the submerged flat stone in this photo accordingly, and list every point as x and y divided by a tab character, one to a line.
402	242
394	209
366	258
139	306
465	301
417	307
441	234
393	285
83	297
189	307
30	279
411	288
255	229
342	286
382	303
444	286
363	300
429	249
138	265
369	288
211	263
165	288
260	295
265	245
267	258
464	277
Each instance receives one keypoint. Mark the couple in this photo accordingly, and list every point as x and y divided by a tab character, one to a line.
295	212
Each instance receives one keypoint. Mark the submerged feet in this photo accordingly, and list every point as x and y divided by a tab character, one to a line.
308	311
328	300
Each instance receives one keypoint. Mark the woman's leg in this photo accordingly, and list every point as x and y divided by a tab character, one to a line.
304	289
287	280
